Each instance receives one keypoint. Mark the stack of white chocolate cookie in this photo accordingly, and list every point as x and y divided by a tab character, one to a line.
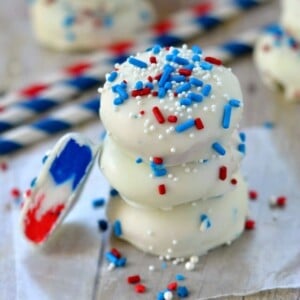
173	151
277	52
88	24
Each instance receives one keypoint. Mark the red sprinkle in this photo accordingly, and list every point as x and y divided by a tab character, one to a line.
154	93
142	112
28	193
150	78
252	195
15	192
158	160
153	60
140	288
133	279
141	92
158	115
266	48
157	77
115	252
199	124
162	189
222	173
172	119
233	181
281	201
249	224
185	72
172	286
213	60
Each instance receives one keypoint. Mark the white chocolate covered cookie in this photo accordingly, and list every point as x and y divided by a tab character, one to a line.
173	103
277	56
185	230
290	17
138	181
88	24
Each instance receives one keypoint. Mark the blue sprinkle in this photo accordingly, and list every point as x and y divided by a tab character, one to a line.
195	97
186	101
137	63
149	85
205	219
121	262
190	67
235	102
120	89
269	125
178	78
196	49
139	85
160	296
179	277
112	76
169	57
103	225
196	82
242	136
218	148
160	172
161	92
117	228
184	126
242	148
98	202
168	69
113	193
196	58
69	21
180	60
139	160
156	49
168	85
118	101
206	65
206	90
108	21
111	258
164	265
183	88
175	51
33	182
44	159
64	169
226	116
182	292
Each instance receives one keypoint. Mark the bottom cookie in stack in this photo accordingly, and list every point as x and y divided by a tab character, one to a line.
185	230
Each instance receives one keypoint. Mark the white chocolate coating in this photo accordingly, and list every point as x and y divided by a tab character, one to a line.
277	57
189	229
290	17
87	25
134	126
185	182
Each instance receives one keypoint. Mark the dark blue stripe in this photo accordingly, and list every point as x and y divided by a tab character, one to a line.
51	125
83	83
93	105
207	22
7	146
167	40
246	4
274	29
5	126
118	60
236	48
38	104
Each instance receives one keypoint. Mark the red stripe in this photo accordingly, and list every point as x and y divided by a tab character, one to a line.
33	90
162	27
78	68
120	47
203	8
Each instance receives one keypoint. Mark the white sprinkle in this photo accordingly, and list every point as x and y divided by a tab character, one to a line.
151	268
111	266
174	242
168	295
160	137
173	150
194	259
189	266
170	250
272	200
149	232
150	248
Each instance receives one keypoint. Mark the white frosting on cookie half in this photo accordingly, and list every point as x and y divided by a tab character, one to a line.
277	56
290	17
173	103
140	183
87	25
189	229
